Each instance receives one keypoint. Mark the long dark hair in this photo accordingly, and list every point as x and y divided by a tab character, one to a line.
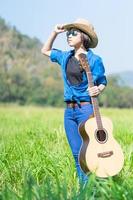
86	40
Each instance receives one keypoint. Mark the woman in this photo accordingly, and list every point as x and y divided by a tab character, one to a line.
77	93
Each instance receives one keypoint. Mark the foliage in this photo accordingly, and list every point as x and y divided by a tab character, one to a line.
117	94
28	77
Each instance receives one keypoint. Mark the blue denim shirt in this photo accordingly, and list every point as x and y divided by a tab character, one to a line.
79	92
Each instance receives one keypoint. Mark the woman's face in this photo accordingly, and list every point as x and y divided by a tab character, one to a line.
74	37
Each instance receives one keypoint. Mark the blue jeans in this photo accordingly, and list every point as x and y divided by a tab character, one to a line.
72	118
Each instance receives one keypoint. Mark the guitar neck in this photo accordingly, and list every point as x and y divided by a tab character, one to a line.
94	101
86	66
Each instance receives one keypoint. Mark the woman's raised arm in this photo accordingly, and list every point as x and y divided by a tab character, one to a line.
46	49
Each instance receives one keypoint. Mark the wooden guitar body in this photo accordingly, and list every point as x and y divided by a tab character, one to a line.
101	155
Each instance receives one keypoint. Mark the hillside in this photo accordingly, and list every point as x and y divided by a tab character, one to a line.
125	78
27	76
22	64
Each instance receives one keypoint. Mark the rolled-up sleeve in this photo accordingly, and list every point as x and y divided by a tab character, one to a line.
100	70
56	56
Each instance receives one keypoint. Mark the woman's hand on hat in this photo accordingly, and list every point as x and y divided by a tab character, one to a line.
59	28
93	91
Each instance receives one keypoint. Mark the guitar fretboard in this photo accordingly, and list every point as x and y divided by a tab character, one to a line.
91	84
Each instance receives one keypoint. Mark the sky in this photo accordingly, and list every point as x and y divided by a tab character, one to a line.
112	20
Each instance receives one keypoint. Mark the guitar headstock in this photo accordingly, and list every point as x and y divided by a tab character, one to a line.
83	61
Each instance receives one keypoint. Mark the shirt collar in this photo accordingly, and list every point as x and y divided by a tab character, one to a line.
89	53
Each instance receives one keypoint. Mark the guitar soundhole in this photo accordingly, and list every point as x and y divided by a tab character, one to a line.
101	136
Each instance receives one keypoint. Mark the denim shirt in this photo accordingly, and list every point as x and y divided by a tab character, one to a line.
79	92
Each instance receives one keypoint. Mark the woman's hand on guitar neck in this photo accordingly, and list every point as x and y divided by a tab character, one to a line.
95	90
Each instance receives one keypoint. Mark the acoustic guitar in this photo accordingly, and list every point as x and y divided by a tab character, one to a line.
100	153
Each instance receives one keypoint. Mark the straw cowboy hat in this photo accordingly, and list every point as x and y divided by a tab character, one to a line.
87	28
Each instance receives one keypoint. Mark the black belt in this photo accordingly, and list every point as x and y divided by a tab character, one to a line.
74	104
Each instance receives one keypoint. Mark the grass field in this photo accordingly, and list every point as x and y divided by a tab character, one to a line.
36	162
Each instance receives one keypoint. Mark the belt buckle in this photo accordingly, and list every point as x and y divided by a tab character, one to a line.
73	105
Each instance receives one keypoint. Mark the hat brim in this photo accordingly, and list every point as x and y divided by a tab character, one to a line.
92	35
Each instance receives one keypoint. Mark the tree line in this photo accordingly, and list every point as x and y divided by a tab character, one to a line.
27	77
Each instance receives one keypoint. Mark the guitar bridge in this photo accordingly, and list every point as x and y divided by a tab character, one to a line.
105	154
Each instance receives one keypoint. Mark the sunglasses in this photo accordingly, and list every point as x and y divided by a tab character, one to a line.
72	32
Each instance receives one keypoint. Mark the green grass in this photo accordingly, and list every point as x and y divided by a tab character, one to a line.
36	162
